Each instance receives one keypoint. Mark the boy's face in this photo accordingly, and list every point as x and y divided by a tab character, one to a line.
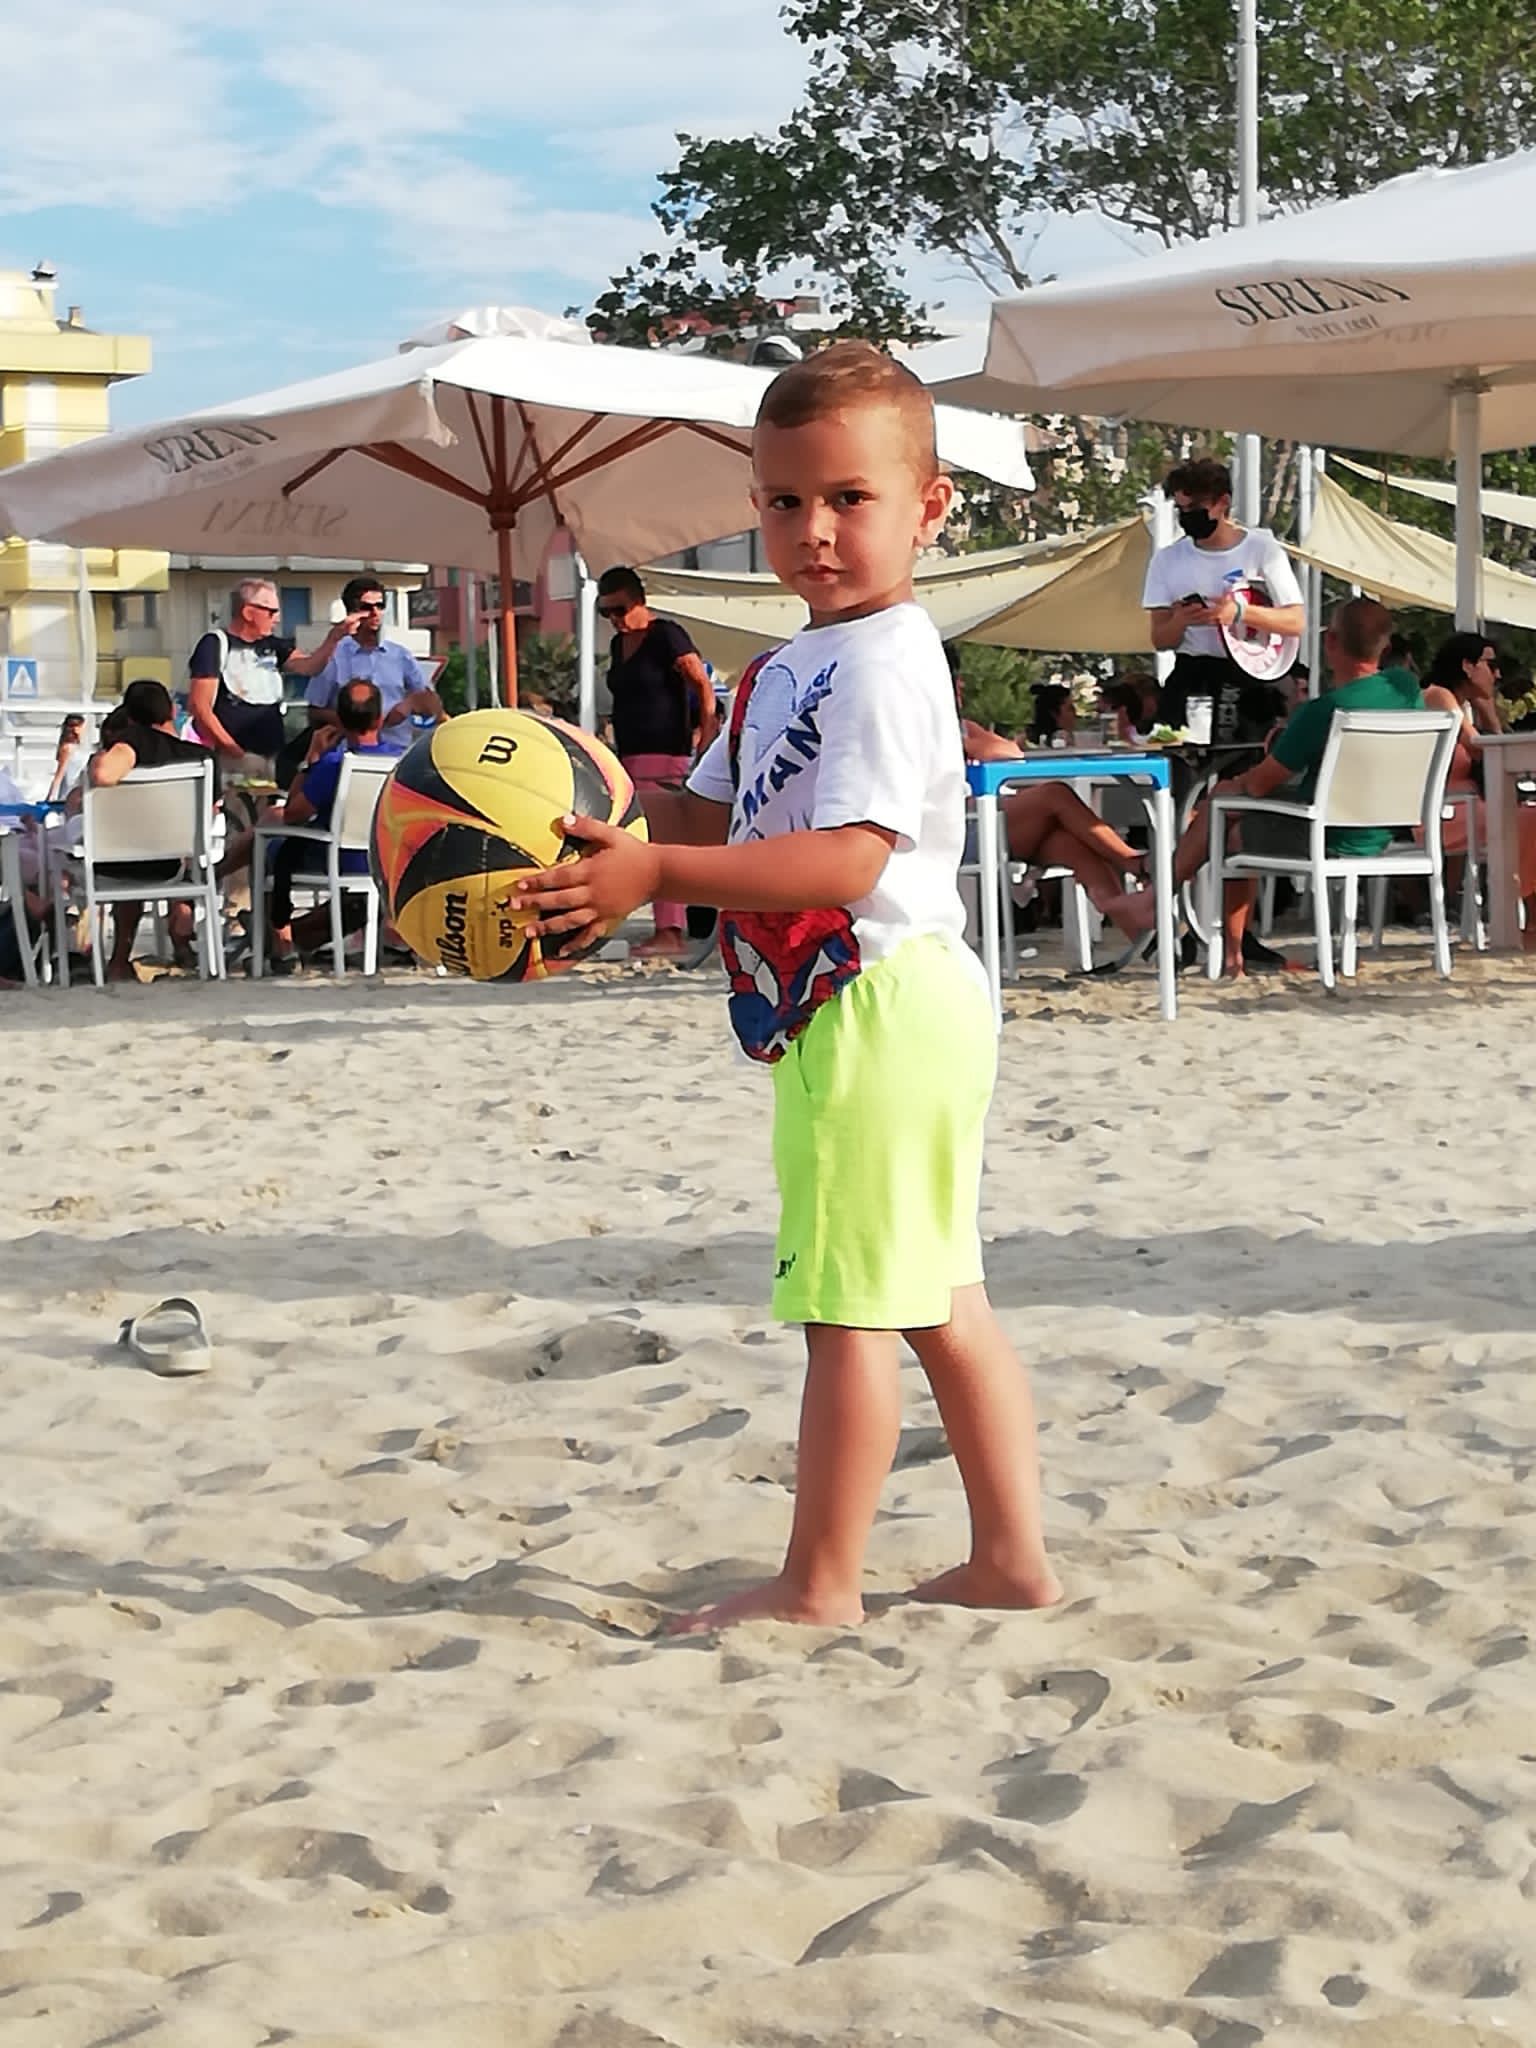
844	511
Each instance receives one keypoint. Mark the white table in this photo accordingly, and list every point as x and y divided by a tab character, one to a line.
1148	772
1505	757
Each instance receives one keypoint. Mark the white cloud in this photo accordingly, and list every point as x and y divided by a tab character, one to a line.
114	106
484	136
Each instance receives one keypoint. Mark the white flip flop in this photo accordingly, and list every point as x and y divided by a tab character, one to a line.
171	1338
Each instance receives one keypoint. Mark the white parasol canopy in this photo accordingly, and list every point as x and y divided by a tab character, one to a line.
449	453
1404	320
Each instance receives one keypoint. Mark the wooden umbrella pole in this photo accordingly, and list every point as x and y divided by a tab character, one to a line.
508	618
503	514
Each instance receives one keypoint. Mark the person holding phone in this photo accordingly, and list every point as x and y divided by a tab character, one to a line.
1194	590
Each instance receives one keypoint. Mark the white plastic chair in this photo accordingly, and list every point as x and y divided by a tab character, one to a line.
1077	914
13	898
363	776
1380	768
157	814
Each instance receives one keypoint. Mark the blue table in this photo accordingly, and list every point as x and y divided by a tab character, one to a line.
1148	772
10	875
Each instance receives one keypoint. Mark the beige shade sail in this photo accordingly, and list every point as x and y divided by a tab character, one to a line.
1511	507
1404	564
1077	594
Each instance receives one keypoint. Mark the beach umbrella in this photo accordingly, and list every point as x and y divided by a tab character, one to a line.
1402	320
475	452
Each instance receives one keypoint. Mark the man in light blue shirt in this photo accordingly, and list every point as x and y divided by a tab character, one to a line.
365	656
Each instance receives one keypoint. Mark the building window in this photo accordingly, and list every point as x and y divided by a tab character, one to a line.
135	611
297	602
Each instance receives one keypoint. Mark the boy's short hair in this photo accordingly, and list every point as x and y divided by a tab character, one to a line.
851	375
1204	479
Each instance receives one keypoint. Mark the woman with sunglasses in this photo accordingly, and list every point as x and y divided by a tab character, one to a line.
663	711
1464	677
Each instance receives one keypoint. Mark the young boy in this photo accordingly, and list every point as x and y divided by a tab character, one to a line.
830	834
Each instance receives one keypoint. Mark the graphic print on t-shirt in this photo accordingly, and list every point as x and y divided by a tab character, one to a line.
783	965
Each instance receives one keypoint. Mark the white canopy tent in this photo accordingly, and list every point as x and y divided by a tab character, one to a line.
1404	319
449	451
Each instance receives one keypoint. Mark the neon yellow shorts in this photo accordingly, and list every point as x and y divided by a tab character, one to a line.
879	1109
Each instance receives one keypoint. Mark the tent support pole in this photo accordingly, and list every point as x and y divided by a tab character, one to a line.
586	645
1467	404
1313	463
469	618
1164	534
1250	479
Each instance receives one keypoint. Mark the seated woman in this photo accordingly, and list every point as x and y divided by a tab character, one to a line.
1133	700
1048	825
141	733
1464	677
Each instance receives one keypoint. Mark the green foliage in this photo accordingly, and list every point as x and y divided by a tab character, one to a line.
546	668
999	686
955	126
451	684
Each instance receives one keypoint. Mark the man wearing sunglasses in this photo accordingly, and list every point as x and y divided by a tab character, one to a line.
235	678
359	653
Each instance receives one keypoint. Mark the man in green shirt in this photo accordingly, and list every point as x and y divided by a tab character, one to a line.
1354	643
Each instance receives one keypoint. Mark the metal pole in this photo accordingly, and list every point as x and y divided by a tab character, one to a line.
1164	534
586	646
1249	506
1311	464
469	618
1468	409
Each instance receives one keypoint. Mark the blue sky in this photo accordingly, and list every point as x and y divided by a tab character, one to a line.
304	188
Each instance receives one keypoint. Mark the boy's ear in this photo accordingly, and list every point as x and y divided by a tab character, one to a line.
938	497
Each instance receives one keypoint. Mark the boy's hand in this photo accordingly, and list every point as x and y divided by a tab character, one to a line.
603	887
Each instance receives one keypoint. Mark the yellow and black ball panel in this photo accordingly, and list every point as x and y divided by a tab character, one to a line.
454	905
472	806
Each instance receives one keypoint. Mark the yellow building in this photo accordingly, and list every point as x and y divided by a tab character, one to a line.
62	607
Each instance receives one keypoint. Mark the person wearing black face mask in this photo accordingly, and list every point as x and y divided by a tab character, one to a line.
1192	592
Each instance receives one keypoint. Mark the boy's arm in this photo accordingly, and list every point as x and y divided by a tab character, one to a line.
679	817
797	871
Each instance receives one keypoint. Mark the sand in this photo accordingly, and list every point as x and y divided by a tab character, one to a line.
329	1700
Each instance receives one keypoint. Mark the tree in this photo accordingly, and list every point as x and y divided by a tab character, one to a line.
952	127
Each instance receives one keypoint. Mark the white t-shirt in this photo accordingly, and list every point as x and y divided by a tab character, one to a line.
1185	570
847	725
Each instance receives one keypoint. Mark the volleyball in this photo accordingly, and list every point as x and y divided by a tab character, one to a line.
473	805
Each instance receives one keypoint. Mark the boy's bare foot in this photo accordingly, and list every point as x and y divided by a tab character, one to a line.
777	1599
983	1585
667	945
